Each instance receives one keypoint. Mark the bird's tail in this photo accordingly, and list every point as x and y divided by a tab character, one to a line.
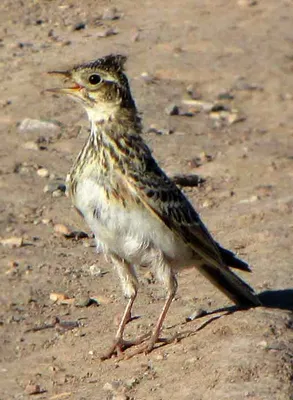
231	285
232	260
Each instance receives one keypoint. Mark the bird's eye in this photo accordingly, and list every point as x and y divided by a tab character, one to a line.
94	79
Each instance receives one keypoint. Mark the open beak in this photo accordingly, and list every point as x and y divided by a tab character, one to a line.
73	90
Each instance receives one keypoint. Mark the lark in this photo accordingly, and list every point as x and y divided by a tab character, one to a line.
138	215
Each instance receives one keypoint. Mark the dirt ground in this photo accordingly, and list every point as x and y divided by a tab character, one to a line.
235	58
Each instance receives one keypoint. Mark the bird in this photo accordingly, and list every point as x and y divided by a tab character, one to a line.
138	215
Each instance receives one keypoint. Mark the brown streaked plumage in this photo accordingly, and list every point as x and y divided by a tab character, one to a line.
138	215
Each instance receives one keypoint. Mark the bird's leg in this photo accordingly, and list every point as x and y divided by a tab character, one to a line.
156	332
129	284
166	275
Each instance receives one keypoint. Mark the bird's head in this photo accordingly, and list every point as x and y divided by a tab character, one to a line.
101	86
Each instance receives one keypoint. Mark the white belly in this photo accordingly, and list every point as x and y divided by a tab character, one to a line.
134	234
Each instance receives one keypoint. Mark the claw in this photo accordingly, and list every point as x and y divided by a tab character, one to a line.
120	345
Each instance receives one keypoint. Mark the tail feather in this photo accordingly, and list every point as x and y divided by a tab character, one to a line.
231	285
232	260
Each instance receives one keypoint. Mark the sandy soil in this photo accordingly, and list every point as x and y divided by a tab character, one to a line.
236	53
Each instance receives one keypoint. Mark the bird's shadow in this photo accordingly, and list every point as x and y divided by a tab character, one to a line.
281	299
276	299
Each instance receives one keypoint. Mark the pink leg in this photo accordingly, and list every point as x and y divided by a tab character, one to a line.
129	283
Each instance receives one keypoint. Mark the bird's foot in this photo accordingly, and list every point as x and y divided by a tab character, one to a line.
120	345
147	346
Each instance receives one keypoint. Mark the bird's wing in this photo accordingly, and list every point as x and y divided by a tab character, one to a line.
163	198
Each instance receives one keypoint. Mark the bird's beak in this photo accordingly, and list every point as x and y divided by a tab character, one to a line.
73	90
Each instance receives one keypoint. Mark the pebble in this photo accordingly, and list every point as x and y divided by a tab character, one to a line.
147	78
33	389
101	299
120	396
225	95
54	185
43	172
12	242
252	199
36	125
241	84
159	131
193	93
187	180
247	3
205	157
79	26
110	14
263	344
207	204
107	32
95	270
112	386
135	37
62	229
31	145
196	314
199	105
172	109
84	301
130	383
233	118
58	297
57	193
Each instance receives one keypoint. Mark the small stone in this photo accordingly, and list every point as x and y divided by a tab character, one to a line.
101	299
196	314
95	270
110	14
252	199
207	204
193	93
46	221
83	301
35	125
31	145
147	78
233	118
62	229
131	383
159	131
43	172
57	193
205	157
263	344
79	26
225	95
242	84
198	105
107	32
12	242
187	180
247	3
58	297
172	109
112	386
120	396
33	389
135	37
55	184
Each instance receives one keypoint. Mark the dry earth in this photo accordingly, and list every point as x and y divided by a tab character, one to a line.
236	53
